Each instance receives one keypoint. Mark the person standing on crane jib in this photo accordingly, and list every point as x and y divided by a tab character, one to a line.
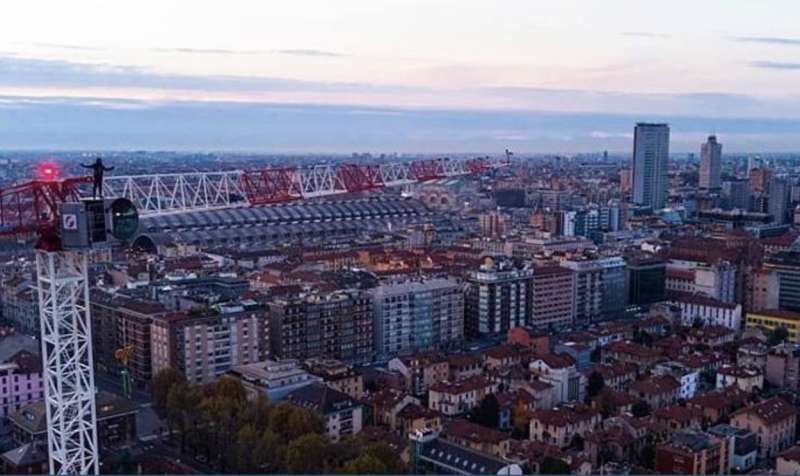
98	168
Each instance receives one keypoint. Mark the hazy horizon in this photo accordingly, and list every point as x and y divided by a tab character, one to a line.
534	76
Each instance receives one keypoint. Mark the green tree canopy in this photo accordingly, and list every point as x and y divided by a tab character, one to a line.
365	464
307	455
777	336
160	385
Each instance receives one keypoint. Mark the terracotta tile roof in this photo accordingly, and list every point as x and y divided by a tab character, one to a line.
556	361
720	399
632	348
656	385
677	413
465	430
792	454
771	411
469	384
567	414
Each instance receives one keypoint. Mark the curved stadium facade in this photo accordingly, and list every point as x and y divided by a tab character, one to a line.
307	221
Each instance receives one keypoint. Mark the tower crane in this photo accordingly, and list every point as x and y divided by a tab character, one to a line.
68	225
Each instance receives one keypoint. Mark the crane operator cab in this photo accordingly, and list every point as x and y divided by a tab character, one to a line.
96	223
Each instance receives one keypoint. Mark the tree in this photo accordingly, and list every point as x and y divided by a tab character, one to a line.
596	354
777	336
640	409
365	464
576	443
273	449
182	410
302	422
160	385
552	465
595	385
307	455
487	412
388	456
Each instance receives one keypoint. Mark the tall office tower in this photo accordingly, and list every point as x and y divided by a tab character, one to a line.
650	156
711	164
778	199
736	194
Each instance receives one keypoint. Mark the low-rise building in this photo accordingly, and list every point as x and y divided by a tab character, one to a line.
692	452
560	425
421	370
343	415
616	376
783	366
771	319
719	404
643	357
687	376
559	370
480	438
773	420
116	422
273	378
742	446
709	311
752	354
788	461
747	379
21	382
457	398
657	391
337	375
431	454
712	336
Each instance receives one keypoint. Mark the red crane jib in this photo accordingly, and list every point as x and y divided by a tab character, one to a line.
32	207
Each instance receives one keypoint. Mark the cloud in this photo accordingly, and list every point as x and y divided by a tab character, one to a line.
770	40
610	135
775	65
308	52
63	46
30	72
225	51
644	34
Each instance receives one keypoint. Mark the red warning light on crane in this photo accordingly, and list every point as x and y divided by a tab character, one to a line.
47	171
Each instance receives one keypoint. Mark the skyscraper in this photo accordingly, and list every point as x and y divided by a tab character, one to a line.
650	155
711	164
778	200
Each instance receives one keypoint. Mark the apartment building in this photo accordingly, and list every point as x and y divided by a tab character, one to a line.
418	314
312	324
206	346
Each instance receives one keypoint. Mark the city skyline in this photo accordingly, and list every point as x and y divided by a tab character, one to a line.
524	76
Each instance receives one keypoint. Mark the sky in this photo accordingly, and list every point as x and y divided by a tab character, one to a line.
398	75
